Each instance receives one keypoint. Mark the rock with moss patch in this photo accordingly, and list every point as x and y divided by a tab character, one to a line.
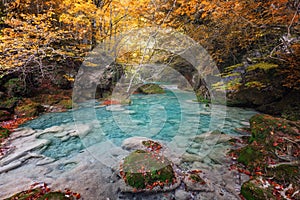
257	189
40	194
250	156
272	154
66	103
144	170
150	89
194	182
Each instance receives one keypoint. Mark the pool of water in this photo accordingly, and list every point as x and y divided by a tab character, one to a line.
161	117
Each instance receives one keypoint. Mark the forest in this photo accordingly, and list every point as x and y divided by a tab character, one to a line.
237	56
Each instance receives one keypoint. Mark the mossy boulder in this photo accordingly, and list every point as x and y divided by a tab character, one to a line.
150	89
40	194
265	128
272	157
254	190
145	170
250	156
66	103
285	173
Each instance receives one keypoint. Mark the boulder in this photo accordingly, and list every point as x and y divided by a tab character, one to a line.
150	89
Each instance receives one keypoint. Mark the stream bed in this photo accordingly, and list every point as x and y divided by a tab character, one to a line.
81	149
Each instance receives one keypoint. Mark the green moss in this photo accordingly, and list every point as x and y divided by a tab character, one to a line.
285	173
4	133
201	99
66	103
54	196
9	102
39	194
16	87
249	156
252	191
197	178
231	75
25	195
142	169
28	108
233	67
263	126
255	84
150	89
263	65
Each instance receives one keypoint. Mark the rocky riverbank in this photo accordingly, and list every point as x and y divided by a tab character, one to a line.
94	172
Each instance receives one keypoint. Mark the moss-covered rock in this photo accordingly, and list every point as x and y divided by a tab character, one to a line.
285	173
39	194
272	157
150	89
265	128
196	178
250	156
55	196
66	103
145	170
254	190
43	193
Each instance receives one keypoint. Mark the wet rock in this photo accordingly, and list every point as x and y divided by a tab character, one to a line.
22	132
216	136
82	130
22	150
115	108
182	195
194	182
10	166
134	143
144	170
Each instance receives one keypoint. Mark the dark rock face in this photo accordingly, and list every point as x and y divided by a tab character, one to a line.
261	87
190	73
94	82
253	97
61	82
288	106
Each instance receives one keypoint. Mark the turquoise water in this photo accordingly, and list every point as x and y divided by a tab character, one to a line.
162	117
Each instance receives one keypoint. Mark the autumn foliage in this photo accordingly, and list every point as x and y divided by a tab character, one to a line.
41	36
